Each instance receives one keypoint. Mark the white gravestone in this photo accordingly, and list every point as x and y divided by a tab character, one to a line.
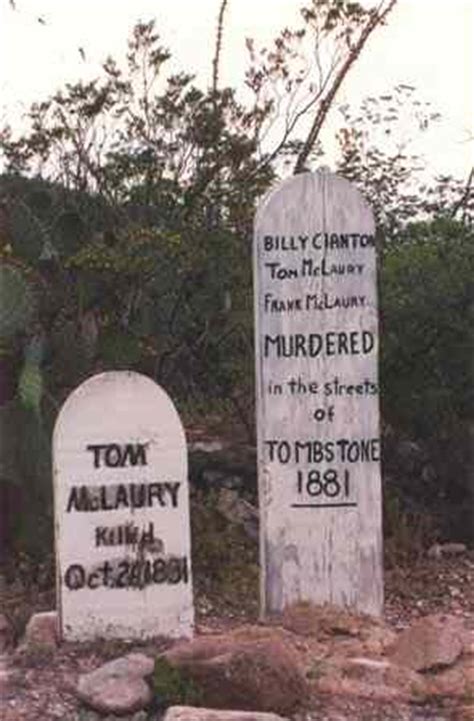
121	512
317	396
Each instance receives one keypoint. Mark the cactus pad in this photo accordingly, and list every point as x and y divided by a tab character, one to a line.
18	299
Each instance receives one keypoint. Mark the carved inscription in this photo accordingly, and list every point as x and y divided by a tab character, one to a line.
122	511
317	394
83	498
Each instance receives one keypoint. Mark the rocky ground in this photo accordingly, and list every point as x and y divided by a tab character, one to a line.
314	665
347	668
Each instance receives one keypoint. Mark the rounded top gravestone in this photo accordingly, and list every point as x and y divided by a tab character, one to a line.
121	512
317	395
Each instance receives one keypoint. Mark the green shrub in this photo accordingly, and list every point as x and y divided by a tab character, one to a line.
225	559
427	339
427	328
172	687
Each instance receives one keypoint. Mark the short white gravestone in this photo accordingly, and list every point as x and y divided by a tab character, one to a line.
121	512
317	396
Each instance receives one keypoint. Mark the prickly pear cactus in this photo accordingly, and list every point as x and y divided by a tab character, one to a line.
30	383
21	383
26	231
18	300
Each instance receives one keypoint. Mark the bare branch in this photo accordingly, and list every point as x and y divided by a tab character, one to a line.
217	54
377	17
465	196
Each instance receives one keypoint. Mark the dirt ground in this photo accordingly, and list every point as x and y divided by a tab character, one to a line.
39	687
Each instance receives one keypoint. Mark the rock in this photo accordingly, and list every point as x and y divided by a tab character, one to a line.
411	456
219	479
83	715
453	549
373	679
189	713
199	649
456	682
407	683
8	674
42	631
377	639
307	619
6	633
377	679
234	672
428	473
206	446
464	713
135	665
118	686
334	686
89	716
139	716
433	641
231	466
115	695
468	643
367	669
434	551
238	510
437	550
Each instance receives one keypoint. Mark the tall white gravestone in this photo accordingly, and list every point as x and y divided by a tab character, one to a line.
121	512
317	396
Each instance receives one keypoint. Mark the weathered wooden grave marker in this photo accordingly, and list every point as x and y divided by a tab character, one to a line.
121	512
317	396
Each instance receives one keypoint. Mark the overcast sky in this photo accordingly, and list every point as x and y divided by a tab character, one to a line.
427	43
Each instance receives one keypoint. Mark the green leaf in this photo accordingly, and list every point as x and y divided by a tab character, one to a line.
30	387
117	348
27	233
18	302
68	233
